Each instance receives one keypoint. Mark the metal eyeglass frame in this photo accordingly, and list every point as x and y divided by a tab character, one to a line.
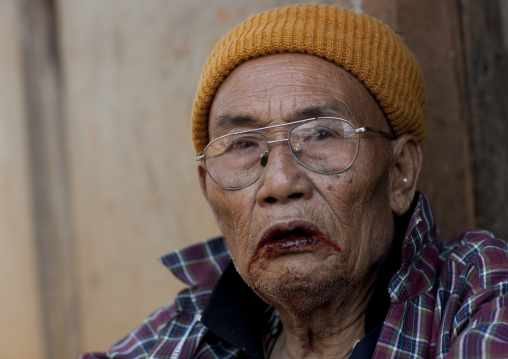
201	157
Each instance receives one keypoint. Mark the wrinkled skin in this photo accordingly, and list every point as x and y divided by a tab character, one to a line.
320	289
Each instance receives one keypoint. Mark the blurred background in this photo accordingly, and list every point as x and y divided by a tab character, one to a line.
97	171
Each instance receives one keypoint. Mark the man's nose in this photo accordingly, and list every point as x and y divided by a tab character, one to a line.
283	179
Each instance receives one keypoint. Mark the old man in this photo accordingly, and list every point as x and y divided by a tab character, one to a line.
308	124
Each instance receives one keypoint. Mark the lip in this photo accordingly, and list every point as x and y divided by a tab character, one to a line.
292	236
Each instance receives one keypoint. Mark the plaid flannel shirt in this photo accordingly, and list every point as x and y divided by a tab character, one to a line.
448	300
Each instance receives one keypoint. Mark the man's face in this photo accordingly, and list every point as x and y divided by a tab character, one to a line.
295	232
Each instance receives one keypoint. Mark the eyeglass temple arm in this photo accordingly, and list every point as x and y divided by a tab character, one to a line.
374	130
200	157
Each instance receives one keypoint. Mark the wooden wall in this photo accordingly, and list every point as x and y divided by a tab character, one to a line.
97	177
20	315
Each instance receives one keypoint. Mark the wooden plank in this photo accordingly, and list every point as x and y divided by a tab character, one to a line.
431	31
486	62
131	71
20	313
47	146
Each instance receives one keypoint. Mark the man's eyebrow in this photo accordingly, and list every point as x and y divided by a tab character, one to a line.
327	108
224	121
235	121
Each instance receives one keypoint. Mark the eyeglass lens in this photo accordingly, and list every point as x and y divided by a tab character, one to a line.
324	145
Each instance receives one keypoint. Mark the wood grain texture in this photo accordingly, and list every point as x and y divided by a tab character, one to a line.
20	310
49	179
486	69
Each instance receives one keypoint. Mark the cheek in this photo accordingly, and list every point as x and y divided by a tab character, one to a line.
341	193
234	214
374	220
362	214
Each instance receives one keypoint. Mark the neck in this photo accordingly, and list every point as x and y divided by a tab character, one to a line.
327	344
330	331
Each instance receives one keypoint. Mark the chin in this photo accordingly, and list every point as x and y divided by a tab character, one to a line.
299	297
298	287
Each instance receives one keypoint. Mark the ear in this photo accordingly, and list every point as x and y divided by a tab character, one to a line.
406	165
202	181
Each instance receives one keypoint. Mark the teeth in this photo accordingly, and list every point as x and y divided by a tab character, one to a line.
290	236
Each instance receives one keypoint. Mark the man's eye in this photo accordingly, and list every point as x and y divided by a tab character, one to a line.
322	134
243	144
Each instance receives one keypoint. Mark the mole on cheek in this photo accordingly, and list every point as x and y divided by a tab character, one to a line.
329	187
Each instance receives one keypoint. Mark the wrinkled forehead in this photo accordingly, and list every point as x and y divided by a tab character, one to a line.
281	88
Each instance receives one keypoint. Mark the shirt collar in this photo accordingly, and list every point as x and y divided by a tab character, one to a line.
420	256
200	267
237	315
200	264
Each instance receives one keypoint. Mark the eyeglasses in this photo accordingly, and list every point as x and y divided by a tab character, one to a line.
326	145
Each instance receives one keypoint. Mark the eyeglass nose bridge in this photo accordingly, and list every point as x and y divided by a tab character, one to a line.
264	156
276	141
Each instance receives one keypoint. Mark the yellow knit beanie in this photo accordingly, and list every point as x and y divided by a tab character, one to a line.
361	45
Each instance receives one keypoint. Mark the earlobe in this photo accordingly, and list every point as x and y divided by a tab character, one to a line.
406	165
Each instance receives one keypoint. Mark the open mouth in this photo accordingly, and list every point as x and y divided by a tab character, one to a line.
292	240
295	236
